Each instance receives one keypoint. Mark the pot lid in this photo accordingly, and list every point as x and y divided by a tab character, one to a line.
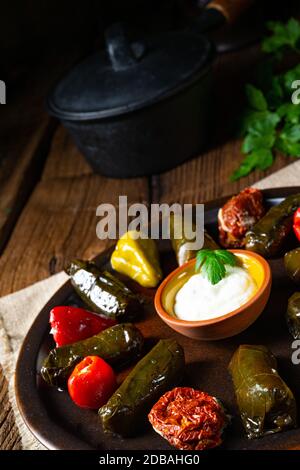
126	77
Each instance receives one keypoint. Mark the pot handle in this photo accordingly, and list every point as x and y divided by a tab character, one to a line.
120	53
230	9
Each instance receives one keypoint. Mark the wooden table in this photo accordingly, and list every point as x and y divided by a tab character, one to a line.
49	195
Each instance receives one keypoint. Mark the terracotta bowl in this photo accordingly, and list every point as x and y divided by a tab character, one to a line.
226	325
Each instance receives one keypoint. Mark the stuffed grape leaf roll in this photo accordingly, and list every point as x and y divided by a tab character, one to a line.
292	264
265	402
181	245
158	371
293	315
116	345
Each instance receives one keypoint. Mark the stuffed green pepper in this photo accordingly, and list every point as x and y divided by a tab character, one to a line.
117	345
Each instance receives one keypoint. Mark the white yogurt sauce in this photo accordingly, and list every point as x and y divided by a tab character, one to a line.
198	299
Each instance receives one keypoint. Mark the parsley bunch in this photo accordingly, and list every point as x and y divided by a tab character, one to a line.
271	121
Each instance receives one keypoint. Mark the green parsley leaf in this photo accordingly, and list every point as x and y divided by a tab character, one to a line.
256	98
213	263
264	158
290	112
258	122
291	133
226	256
289	77
283	36
261	158
293	31
248	118
200	258
288	141
248	164
213	270
253	142
288	148
257	144
275	93
265	125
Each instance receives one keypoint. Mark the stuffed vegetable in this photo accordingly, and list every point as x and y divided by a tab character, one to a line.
239	215
267	236
293	315
102	291
265	402
137	258
189	419
292	264
116	345
181	245
153	375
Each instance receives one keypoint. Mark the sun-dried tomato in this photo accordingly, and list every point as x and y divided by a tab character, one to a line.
189	419
238	215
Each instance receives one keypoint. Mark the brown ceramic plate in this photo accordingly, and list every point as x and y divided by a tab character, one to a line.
59	424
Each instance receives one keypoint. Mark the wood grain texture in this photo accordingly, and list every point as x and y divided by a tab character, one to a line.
59	220
65	161
9	435
25	134
203	179
27	154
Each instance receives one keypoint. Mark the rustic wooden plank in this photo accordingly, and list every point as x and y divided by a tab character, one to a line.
59	221
25	134
17	185
9	435
207	176
65	161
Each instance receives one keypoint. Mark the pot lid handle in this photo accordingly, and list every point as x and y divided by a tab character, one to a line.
120	52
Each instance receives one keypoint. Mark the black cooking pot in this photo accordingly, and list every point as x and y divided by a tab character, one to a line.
140	108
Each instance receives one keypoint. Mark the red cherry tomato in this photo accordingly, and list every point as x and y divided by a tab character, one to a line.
71	324
296	225
92	383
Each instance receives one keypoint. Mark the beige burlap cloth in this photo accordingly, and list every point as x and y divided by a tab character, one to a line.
17	312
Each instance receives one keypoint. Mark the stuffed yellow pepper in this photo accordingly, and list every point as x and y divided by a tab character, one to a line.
138	259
